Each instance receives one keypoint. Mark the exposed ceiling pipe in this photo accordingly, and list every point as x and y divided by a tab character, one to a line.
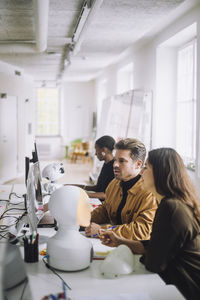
41	12
86	17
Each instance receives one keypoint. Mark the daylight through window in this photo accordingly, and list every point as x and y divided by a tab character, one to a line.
186	104
47	111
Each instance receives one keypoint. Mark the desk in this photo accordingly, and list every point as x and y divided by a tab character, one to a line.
90	282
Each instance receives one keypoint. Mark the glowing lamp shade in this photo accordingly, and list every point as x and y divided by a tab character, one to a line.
69	250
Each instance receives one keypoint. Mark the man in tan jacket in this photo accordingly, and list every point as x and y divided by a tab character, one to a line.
128	206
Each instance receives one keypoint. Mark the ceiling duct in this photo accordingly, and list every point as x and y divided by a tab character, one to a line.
86	17
41	12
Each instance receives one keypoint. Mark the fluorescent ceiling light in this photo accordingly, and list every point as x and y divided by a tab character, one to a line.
86	18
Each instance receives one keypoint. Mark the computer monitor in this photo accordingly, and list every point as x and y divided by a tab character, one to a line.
38	182
34	215
29	160
27	164
34	197
37	173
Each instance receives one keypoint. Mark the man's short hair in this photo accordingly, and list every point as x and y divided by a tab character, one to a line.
137	148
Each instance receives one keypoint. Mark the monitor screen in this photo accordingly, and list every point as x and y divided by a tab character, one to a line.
37	173
27	163
34	197
34	215
38	182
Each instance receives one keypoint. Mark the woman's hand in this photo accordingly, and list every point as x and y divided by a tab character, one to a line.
109	238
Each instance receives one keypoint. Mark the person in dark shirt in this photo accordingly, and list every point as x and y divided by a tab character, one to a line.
103	150
173	250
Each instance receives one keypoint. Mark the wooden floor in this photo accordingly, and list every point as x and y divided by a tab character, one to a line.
74	172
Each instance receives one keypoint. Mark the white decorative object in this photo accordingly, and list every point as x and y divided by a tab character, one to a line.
120	261
69	250
52	172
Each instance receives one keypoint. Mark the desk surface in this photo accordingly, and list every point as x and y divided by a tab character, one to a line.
90	283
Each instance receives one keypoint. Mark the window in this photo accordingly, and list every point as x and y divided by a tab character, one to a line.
186	104
47	111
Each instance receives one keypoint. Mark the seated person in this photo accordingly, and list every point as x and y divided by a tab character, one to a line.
173	250
127	205
104	147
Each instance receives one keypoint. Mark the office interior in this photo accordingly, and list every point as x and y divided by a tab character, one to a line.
91	52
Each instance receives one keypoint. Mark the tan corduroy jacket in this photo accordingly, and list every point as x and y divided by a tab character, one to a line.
137	215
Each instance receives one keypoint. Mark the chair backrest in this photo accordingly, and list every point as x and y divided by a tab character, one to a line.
85	146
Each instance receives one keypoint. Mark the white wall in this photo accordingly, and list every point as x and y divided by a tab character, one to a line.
22	87
77	107
164	106
150	71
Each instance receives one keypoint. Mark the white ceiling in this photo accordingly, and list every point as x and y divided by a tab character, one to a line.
115	26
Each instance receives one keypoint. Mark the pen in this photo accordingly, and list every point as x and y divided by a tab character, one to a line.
110	228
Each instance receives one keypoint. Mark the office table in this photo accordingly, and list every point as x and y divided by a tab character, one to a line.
89	283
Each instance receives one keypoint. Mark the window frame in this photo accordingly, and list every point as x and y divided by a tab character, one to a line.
59	115
189	162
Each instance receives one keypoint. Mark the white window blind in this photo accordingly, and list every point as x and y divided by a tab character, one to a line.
186	104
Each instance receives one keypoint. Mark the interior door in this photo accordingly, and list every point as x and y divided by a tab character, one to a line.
8	138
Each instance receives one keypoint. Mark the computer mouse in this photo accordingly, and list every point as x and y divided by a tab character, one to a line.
119	261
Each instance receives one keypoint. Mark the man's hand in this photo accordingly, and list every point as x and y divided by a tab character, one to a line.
92	229
109	238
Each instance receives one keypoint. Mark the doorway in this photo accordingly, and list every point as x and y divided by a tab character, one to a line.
8	137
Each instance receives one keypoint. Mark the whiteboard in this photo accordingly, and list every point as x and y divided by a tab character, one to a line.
128	115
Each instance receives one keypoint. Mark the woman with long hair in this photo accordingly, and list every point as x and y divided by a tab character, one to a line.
173	250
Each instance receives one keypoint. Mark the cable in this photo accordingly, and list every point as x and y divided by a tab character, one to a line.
11	203
24	288
4	226
14	194
3	236
53	270
11	209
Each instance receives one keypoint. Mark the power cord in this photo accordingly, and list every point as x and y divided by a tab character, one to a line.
24	288
14	194
9	209
53	270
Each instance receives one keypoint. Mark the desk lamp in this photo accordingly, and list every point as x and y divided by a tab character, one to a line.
68	249
52	172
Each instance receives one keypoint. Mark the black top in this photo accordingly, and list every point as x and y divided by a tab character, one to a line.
105	176
174	248
126	185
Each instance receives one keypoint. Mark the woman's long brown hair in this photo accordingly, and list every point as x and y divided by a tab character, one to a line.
171	177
